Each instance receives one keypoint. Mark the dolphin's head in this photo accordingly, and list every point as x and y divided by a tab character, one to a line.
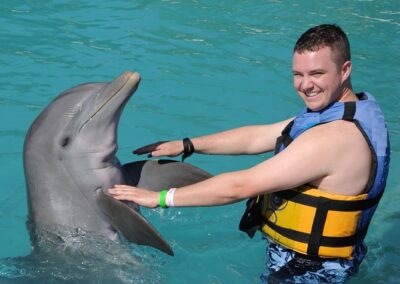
77	133
93	119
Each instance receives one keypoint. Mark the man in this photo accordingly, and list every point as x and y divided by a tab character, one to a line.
317	194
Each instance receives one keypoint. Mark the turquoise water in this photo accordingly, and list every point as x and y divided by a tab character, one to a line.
206	66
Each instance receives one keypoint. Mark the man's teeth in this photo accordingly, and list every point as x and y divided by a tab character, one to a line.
312	94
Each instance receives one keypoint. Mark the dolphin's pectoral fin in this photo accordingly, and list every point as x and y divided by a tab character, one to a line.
131	224
162	174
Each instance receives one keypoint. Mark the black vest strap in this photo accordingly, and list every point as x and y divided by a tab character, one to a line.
349	111
285	138
318	226
348	114
252	218
335	205
323	240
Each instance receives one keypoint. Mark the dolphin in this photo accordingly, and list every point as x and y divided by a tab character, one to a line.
70	162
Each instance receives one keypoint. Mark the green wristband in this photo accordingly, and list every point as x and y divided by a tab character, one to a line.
163	194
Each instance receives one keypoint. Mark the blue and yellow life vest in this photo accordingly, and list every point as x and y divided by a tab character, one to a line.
314	222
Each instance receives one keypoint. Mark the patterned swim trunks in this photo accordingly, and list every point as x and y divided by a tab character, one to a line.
287	266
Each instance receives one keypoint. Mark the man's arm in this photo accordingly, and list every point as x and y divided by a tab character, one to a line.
333	157
313	156
243	140
299	164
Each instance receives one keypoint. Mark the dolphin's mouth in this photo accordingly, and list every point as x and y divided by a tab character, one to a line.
126	84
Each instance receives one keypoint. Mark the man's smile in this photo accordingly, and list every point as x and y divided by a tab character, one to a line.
311	94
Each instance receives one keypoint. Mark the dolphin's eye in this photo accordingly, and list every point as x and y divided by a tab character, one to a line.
64	142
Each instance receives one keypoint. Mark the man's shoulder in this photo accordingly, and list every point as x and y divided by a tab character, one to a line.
335	134
334	128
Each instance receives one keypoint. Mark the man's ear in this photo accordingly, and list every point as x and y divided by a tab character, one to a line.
346	71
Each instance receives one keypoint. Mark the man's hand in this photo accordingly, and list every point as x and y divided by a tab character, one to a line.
140	196
161	148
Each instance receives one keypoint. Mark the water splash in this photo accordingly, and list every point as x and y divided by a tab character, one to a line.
76	256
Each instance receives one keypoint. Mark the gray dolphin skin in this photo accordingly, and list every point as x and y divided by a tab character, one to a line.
70	160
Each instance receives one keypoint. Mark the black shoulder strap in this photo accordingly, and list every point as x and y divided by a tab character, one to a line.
348	115
349	111
285	138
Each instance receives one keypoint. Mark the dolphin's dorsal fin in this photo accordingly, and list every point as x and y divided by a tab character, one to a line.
131	224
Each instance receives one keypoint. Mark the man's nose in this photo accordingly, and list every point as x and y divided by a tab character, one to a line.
307	84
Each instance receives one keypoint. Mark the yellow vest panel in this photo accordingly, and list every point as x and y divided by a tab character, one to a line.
290	223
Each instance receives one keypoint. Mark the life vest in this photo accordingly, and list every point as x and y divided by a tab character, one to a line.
311	221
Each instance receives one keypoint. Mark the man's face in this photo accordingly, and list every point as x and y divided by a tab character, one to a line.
317	78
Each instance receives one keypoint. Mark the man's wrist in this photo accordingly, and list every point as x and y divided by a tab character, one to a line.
188	148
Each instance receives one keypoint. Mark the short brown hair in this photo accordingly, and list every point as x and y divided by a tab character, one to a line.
325	35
